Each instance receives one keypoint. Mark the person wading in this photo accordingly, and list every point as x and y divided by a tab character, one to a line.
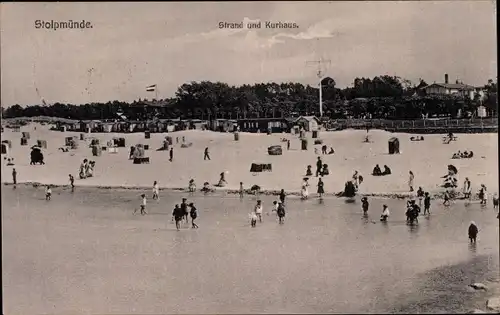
14	177
156	191
72	182
177	215
321	189
184	208
473	230
365	205
427	204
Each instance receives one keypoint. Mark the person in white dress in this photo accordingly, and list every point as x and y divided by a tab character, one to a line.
467	190
156	191
411	178
258	210
385	214
305	190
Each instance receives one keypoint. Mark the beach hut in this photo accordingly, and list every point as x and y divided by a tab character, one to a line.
96	150
236	136
8	143
275	150
393	145
119	142
5	148
42	144
26	135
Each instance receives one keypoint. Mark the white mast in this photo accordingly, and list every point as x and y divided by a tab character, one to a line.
320	77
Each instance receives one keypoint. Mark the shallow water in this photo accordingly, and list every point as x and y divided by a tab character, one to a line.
85	252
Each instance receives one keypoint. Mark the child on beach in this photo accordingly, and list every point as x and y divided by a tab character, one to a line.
385	214
184	208
143	205
304	191
446	201
253	219
194	215
258	210
48	193
495	202
365	205
467	188
171	153
14	177
483	195
275	207
72	182
242	191
420	196
281	212
156	191
427	203
191	186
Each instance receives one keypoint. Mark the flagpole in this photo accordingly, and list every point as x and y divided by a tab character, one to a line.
156	92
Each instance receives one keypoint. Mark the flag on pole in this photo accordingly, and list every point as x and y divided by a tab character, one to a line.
151	88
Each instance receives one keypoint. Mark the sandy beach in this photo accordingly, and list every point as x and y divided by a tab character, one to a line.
427	159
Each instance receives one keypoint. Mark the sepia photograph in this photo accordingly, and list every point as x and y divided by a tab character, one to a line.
275	157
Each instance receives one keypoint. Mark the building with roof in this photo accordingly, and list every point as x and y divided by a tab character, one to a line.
447	88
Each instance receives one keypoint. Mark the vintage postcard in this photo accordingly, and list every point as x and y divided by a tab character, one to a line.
249	157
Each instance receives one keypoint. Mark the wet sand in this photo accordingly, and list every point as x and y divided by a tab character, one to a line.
86	253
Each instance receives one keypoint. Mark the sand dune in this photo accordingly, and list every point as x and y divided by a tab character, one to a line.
427	159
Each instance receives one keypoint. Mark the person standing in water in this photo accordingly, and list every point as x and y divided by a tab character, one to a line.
365	205
427	204
483	195
420	196
305	190
171	154
495	202
48	193
206	155
156	191
446	201
194	214
411	178
72	182
242	191
473	230
281	212
467	191
282	196
177	215
321	189
258	210
385	214
253	219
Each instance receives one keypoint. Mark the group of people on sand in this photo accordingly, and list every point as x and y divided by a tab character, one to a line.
256	214
86	169
304	191
321	169
378	172
463	155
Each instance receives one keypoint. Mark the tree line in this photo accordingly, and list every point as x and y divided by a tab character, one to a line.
388	97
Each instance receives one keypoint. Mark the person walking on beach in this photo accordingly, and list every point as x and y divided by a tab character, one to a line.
258	210
242	191
467	191
143	205
365	205
282	196
319	166
321	189
83	167
171	154
281	212
156	191
385	214
184	208
177	215
206	155
288	144
194	214
411	178
483	195
72	182
14	177
48	193
473	231
427	204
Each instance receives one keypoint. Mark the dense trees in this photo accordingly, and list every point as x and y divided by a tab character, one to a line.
381	97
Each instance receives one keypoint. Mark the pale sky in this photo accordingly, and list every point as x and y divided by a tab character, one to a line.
133	45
